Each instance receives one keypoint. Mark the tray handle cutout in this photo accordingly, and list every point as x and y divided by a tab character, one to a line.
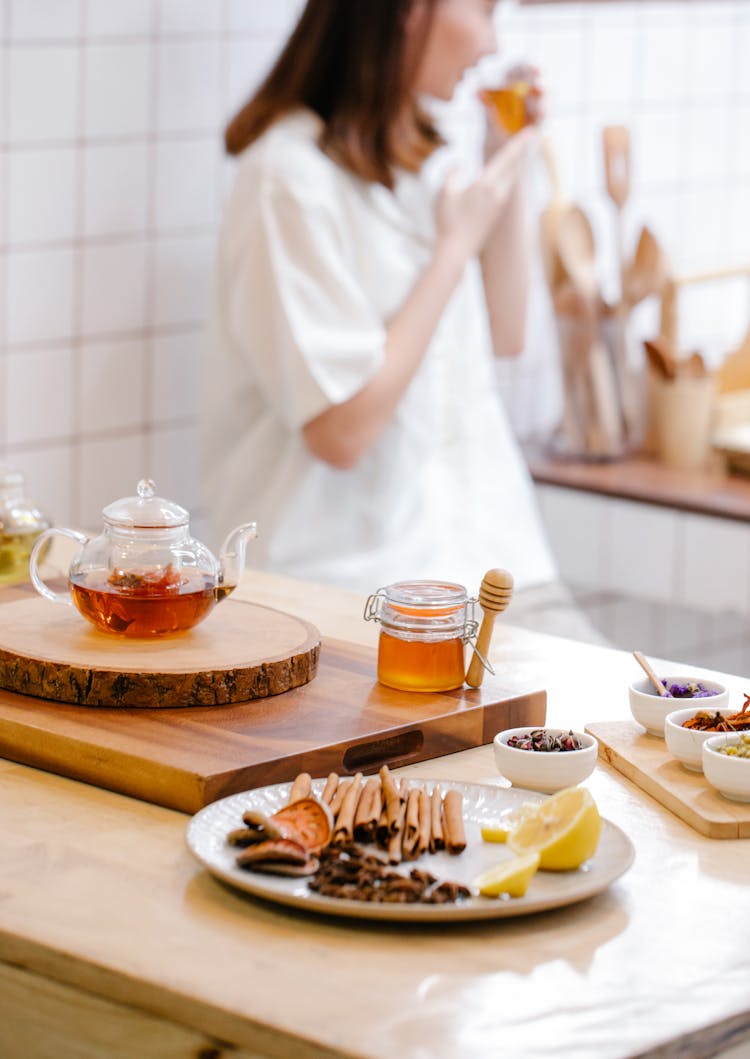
368	756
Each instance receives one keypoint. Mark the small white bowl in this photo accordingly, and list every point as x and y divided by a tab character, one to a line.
728	774
686	744
542	770
650	708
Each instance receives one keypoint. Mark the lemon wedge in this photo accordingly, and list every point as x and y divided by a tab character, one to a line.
510	877
495	832
564	830
499	830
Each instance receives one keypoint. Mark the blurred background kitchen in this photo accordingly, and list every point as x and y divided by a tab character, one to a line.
112	179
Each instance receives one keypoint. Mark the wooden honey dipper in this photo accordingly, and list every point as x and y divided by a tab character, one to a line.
494	596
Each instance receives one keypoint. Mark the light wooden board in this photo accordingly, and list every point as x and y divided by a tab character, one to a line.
645	760
240	651
343	720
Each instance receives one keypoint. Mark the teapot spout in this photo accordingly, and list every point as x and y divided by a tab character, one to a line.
232	556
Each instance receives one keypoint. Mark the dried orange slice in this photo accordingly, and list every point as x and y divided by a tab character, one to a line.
278	856
308	822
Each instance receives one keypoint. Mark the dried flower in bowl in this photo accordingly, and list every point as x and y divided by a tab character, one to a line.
691	689
545	741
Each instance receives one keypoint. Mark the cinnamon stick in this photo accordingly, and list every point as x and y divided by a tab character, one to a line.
368	811
381	829
338	797
330	788
453	822
436	820
343	830
301	788
425	820
395	840
392	799
411	825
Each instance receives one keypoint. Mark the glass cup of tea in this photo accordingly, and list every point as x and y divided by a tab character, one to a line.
518	101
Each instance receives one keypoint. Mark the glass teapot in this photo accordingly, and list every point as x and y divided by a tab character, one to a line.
144	575
21	522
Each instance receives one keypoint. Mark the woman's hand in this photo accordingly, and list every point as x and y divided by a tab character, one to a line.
465	216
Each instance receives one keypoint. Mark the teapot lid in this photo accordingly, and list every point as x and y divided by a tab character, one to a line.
145	511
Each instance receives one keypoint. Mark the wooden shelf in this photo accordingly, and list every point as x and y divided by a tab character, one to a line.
639	478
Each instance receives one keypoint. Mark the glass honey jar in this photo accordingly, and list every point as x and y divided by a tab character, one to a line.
21	522
423	628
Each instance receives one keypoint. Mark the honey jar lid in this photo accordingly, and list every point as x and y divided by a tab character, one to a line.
425	593
146	510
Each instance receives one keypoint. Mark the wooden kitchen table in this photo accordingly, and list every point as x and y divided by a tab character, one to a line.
115	943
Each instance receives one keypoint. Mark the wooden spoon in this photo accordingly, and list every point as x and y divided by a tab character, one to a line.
648	272
647	669
578	255
660	357
616	142
494	596
549	223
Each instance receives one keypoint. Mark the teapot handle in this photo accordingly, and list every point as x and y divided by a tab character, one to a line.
43	589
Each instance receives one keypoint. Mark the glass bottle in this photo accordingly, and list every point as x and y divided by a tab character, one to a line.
21	522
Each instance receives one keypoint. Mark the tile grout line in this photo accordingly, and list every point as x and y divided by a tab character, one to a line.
150	249
76	343
4	224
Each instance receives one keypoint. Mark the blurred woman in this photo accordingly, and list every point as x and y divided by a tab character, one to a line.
352	408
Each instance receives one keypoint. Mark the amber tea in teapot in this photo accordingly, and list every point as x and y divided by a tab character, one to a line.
153	603
144	575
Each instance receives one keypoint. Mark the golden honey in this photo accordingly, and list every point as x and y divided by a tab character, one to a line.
423	630
411	665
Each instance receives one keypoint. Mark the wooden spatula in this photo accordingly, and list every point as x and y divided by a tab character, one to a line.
549	221
616	143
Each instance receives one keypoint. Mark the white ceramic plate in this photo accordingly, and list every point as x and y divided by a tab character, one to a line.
207	839
207	831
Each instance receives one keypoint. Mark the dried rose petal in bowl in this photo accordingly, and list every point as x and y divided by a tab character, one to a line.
563	757
546	741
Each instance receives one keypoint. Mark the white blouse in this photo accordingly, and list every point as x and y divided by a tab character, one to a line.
312	263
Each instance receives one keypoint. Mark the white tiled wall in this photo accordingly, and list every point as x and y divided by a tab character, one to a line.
112	178
111	184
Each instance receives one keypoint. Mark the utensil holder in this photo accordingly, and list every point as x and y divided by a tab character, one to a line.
592	425
682	412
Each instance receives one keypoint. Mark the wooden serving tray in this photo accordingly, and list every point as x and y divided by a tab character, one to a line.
241	651
645	760
342	721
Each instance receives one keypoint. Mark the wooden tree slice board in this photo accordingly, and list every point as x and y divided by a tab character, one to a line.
240	651
342	721
645	760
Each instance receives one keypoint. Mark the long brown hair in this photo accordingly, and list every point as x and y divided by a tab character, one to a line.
349	62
